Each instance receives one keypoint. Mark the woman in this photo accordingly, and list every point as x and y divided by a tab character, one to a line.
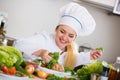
75	21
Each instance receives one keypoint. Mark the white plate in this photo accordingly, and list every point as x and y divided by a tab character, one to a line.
10	77
57	73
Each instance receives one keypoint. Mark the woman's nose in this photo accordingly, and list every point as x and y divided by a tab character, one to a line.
65	37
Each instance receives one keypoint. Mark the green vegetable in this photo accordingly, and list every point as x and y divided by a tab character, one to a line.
70	79
49	65
10	56
16	53
37	61
96	67
67	69
100	48
54	77
55	57
19	68
6	59
23	64
111	66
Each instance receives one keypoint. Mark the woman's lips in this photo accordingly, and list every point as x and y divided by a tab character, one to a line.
62	41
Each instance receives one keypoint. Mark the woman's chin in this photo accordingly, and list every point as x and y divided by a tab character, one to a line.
62	46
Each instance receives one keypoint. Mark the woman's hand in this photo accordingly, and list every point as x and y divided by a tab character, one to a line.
95	54
43	54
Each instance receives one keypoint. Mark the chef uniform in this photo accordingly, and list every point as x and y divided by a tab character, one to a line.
72	15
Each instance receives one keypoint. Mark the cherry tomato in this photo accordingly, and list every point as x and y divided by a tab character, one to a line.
43	66
5	69
12	71
34	64
42	74
30	68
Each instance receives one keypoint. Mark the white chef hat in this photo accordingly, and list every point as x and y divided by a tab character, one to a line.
78	18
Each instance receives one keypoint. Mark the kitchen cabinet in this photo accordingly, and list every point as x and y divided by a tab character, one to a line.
116	9
105	4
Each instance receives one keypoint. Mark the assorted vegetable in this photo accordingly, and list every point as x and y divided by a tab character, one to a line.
21	69
87	70
12	63
10	56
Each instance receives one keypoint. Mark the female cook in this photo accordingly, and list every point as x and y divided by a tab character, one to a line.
75	21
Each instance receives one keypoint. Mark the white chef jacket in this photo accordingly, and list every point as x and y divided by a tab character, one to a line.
46	41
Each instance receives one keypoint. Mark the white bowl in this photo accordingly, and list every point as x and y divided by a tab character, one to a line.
57	73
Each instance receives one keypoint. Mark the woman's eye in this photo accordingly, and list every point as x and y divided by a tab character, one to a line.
62	31
71	36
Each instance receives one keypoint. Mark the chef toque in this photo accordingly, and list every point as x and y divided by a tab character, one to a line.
78	18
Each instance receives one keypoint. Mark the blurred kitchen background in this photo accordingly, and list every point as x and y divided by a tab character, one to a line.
27	17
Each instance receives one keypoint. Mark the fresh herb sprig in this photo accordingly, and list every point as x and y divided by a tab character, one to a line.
55	57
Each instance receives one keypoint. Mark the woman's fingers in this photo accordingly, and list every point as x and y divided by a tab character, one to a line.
46	58
95	54
43	54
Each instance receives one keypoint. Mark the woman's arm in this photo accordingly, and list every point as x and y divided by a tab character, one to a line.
32	43
43	54
86	57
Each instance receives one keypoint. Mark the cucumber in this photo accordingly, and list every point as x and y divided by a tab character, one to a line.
19	68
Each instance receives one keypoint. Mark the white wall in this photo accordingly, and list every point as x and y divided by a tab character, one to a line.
106	35
26	17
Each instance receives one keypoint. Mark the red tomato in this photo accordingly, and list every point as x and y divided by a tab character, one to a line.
43	66
5	69
30	68
12	71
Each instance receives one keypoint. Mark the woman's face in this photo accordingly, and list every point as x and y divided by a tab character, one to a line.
64	36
